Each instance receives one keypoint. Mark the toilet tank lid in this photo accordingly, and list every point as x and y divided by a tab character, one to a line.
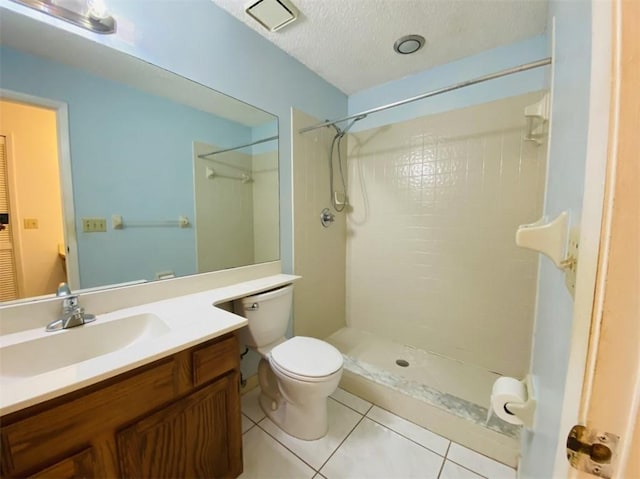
267	295
308	357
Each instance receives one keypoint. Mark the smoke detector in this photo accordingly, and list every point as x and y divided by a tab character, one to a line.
273	14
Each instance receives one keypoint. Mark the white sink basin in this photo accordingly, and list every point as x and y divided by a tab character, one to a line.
64	348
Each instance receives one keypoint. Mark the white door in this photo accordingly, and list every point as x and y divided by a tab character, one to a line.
8	275
611	392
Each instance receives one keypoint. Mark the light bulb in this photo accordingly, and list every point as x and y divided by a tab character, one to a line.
97	9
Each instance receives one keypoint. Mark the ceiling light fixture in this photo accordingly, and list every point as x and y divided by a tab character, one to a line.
272	14
89	14
408	44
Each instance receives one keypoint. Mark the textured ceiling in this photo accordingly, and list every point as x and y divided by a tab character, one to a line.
350	42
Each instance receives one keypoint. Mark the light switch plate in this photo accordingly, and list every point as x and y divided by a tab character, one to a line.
31	223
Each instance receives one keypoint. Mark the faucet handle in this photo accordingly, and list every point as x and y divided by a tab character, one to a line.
63	290
70	303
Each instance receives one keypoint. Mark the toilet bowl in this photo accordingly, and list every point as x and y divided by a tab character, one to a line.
297	375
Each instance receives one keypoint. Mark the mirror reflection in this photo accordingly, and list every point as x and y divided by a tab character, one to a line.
121	177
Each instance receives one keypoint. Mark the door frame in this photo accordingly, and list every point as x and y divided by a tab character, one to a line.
66	178
595	231
611	402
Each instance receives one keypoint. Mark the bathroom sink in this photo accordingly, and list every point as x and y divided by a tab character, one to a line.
65	348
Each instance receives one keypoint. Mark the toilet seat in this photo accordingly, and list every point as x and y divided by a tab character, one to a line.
306	359
283	373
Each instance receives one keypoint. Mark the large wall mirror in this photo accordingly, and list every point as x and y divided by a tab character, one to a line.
114	170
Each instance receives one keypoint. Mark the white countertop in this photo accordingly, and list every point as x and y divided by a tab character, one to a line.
192	319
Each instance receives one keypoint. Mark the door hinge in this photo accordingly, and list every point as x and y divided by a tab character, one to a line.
592	451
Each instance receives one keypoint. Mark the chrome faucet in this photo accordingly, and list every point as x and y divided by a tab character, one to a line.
72	314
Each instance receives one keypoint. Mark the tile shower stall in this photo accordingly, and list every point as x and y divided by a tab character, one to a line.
420	285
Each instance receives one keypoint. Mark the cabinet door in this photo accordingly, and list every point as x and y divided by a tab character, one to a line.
79	466
196	437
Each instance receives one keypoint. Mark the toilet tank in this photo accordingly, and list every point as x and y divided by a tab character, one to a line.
268	315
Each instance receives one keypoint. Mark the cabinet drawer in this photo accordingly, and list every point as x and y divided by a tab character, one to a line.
215	359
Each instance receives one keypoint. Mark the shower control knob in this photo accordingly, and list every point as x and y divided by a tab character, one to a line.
327	217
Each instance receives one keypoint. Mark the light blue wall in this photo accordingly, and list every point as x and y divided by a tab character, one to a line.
121	137
491	61
266	130
200	41
565	186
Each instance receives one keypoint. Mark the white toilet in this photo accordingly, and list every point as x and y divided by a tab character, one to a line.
296	375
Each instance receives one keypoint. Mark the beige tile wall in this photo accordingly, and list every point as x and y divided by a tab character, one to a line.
431	258
266	213
319	253
224	212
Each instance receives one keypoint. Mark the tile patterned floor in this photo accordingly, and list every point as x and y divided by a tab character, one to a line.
364	441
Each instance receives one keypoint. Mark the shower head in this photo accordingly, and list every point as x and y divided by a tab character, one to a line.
339	132
348	127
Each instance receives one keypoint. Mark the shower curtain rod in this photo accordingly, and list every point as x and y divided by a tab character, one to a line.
491	76
264	140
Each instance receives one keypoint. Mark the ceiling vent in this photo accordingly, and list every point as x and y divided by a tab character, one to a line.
272	14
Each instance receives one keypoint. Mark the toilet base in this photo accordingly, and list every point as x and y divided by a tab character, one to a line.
306	419
308	423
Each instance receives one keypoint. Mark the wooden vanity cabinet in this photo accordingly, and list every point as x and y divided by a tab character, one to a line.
178	417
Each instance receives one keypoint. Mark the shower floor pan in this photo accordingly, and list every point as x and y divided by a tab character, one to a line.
446	396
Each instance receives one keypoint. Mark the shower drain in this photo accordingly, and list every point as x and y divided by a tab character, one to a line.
403	363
